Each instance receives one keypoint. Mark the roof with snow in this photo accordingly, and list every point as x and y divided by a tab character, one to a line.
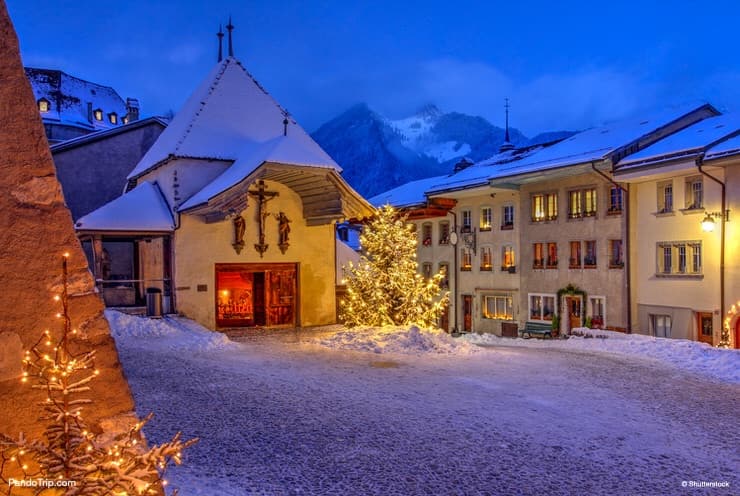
69	96
604	142
407	195
227	117
142	209
724	149
107	133
689	141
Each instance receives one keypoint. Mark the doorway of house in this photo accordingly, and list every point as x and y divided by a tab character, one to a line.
250	295
467	313
704	327
573	312
444	319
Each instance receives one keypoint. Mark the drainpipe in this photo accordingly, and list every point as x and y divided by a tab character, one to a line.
628	265
454	269
725	338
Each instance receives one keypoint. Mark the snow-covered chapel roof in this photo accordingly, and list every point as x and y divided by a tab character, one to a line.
143	209
227	117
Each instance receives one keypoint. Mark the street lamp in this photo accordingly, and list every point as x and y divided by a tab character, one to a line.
708	223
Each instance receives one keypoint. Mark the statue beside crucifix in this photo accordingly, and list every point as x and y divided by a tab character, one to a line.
240	227
262	197
283	231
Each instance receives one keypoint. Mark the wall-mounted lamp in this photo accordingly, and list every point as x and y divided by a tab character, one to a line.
707	223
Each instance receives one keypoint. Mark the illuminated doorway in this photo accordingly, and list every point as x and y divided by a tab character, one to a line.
249	295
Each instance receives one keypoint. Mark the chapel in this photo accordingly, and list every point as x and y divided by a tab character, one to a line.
231	214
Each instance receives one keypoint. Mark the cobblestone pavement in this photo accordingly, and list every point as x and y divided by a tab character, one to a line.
277	416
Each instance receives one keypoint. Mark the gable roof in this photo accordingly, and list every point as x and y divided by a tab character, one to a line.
410	194
724	149
143	209
224	118
689	141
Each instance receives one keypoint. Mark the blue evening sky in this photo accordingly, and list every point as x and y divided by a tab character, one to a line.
564	65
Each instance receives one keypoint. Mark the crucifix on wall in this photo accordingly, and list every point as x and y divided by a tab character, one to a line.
262	197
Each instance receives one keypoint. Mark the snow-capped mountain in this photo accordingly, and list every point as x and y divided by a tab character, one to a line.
378	153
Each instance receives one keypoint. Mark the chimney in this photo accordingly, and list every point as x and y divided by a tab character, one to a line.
89	112
464	163
132	109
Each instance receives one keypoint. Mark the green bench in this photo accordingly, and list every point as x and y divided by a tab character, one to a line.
536	328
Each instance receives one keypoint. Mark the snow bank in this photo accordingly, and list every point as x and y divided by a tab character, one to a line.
407	340
691	356
168	333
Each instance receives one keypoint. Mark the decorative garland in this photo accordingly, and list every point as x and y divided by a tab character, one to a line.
571	289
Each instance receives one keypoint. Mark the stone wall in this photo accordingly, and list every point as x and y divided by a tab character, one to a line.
36	230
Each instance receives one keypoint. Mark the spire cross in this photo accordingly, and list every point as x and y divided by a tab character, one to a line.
230	28
220	35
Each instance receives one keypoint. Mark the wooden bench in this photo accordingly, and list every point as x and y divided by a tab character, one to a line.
536	328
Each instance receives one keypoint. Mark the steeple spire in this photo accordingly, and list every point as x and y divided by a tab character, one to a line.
230	28
220	35
507	144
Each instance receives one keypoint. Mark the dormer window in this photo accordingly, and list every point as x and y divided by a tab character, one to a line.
113	118
43	105
98	114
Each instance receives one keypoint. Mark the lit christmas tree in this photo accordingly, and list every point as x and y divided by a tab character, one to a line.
70	460
385	288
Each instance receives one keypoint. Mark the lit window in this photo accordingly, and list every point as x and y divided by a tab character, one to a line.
426	234
574	204
498	307
575	255
467	221
665	197
544	207
444	233
43	105
615	200
679	258
694	193
541	306
598	315
616	254
582	203
98	114
113	118
486	258
486	218
466	262
552	255
508	217
589	259
538	251
508	261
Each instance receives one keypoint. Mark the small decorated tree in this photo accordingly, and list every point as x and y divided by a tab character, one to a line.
385	288
70	459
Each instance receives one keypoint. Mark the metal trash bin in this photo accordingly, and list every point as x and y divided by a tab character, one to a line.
153	302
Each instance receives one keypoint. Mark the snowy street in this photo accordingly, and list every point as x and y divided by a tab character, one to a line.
278	414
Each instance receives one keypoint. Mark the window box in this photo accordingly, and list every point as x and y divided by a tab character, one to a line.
617	265
507	227
511	269
538	264
427	242
614	211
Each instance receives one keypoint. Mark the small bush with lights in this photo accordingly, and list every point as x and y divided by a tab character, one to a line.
68	452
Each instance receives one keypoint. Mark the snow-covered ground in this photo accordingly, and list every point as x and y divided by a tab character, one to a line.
300	412
691	356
